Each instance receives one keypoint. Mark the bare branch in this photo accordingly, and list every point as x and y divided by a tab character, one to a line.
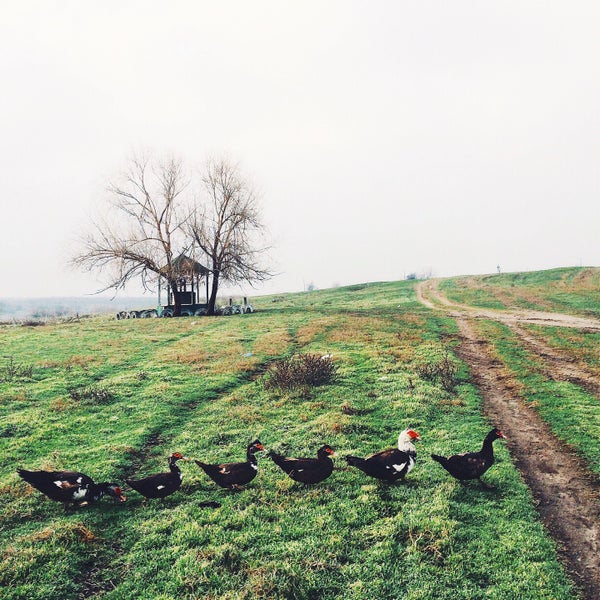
227	228
142	232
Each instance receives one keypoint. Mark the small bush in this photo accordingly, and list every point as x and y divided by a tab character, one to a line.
32	323
10	430
91	395
442	369
12	370
301	371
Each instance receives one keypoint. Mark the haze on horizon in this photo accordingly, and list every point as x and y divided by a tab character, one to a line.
386	138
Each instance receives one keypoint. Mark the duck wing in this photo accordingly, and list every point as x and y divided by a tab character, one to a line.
229	474
387	465
311	470
294	464
63	486
471	465
156	486
285	463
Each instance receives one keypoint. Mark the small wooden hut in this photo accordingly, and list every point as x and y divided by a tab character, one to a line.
189	275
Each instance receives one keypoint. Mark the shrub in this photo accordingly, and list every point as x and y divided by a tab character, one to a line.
12	370
301	371
442	369
92	395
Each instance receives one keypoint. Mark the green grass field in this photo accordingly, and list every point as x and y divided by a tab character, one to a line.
114	398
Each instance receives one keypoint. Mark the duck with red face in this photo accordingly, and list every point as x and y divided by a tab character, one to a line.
160	485
392	464
307	470
471	465
70	487
234	475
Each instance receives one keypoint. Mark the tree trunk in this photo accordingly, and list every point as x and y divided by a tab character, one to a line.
176	299
210	309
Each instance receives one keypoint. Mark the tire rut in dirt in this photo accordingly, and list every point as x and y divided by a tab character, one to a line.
558	366
567	499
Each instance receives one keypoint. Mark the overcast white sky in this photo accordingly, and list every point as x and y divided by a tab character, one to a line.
386	136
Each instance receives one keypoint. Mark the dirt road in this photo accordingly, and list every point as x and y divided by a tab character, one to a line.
566	494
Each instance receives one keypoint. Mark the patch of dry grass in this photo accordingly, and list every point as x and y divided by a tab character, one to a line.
82	361
212	357
272	343
61	404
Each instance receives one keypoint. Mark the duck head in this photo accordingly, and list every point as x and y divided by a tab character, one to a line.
256	446
112	489
174	458
178	456
325	451
408	436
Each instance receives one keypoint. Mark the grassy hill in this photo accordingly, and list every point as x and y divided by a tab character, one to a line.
569	290
114	398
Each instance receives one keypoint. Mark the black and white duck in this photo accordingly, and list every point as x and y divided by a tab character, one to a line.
70	487
391	464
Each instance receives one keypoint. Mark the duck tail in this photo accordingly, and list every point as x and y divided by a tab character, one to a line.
355	461
278	459
441	459
24	474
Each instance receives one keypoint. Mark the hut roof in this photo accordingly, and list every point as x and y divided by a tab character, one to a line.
186	266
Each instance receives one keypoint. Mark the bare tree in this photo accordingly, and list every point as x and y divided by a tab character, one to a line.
143	234
227	228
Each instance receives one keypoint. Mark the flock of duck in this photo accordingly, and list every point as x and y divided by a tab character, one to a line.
74	488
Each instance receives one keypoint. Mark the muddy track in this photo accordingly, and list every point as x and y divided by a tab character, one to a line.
566	495
429	294
555	365
558	366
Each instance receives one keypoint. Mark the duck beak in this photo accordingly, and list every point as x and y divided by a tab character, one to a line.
122	498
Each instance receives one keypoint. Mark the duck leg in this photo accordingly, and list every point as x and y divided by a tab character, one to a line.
487	486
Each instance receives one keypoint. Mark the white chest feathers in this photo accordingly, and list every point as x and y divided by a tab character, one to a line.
80	494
